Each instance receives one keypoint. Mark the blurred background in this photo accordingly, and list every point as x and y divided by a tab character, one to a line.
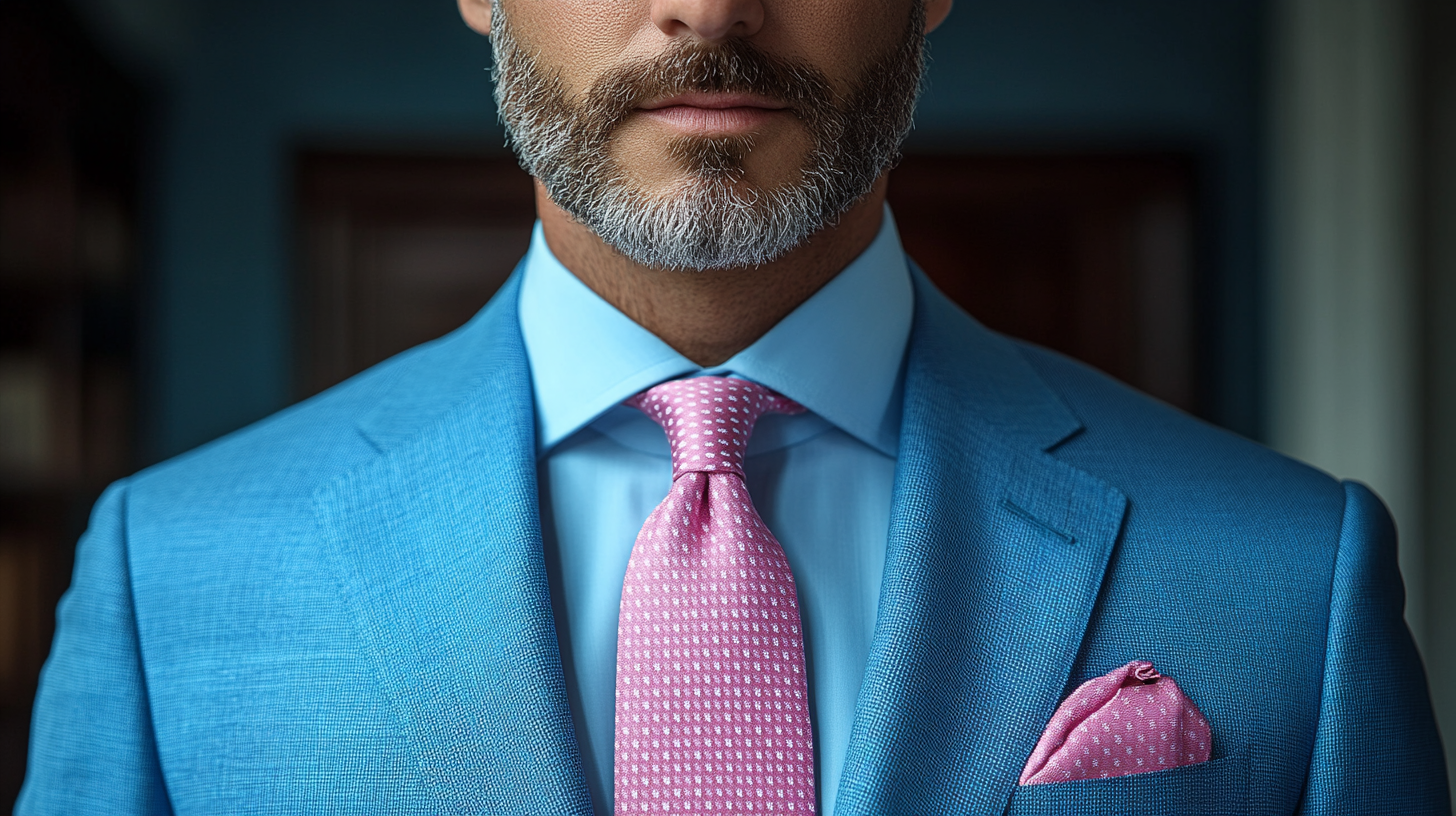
211	210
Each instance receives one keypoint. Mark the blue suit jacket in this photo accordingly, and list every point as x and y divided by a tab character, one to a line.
344	608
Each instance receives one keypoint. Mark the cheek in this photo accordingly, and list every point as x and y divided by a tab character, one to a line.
578	38
839	37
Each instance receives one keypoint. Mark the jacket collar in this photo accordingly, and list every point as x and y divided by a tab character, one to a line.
838	353
995	558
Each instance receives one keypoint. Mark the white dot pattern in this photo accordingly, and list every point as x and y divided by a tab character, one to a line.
712	698
1130	720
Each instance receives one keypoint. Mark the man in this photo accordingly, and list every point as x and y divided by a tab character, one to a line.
443	586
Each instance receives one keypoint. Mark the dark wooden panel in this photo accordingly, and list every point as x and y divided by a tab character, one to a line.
1088	255
70	125
398	250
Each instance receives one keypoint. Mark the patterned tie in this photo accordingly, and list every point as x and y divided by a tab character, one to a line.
712	698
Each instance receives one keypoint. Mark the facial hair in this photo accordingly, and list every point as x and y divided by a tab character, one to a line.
712	219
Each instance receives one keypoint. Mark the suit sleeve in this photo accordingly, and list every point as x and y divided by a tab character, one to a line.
92	749
1376	749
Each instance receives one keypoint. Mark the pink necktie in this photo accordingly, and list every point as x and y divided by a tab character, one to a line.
712	699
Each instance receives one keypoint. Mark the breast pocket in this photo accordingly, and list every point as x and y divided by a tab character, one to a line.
1219	786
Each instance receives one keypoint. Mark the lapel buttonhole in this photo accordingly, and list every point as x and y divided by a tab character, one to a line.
1026	516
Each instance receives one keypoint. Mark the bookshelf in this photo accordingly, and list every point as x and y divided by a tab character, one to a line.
70	125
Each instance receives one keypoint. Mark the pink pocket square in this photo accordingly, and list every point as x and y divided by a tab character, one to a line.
1130	720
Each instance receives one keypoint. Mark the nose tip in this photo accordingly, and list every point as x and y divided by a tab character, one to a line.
708	20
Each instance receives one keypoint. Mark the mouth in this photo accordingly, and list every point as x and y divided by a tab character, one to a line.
713	114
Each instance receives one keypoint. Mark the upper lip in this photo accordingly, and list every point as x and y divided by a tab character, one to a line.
714	101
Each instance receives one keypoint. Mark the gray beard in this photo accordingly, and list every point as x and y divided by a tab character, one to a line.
712	220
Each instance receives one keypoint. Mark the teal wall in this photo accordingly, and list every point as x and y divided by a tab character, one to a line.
1128	75
244	84
255	81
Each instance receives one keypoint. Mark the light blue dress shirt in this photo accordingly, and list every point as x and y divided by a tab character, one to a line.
822	480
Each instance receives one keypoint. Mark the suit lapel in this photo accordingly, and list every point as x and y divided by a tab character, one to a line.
438	550
995	560
996	556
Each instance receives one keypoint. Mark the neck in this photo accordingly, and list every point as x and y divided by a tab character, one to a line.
711	315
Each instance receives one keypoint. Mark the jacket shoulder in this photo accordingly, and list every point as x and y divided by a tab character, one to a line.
289	453
1167	458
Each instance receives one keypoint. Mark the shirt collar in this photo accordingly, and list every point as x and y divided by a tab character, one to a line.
838	354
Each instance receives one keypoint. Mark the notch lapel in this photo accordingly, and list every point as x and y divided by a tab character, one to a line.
996	555
437	546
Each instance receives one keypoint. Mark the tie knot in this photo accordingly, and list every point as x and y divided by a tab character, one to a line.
708	419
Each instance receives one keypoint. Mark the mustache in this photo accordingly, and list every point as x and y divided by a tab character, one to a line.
735	66
707	221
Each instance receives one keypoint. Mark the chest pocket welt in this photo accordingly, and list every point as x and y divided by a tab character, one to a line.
1219	786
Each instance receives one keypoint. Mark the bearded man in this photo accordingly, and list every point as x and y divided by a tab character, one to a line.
720	507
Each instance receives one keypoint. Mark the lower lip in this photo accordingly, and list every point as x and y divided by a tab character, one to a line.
713	121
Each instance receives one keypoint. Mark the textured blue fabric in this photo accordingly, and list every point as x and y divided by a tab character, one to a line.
344	608
822	480
1364	642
